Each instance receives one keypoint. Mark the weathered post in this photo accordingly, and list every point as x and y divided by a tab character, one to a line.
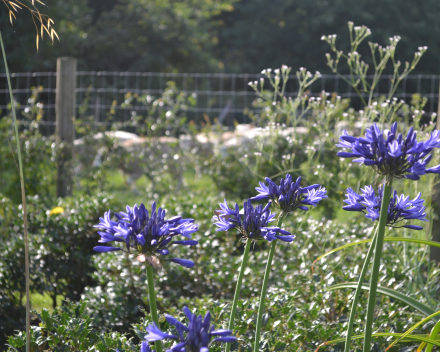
435	203
65	113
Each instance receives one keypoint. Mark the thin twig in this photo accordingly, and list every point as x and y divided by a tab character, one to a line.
23	198
13	157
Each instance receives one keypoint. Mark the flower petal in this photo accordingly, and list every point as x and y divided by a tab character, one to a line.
184	262
103	249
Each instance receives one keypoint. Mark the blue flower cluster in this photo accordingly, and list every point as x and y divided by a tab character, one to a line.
289	196
390	154
145	347
199	333
400	208
252	224
146	235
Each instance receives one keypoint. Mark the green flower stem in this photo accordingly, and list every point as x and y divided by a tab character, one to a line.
358	292
244	261
23	199
376	264
264	288
152	298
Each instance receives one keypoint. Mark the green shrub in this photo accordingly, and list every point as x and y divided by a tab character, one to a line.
68	328
61	248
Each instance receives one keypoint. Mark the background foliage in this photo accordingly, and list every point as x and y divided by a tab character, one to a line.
216	35
294	135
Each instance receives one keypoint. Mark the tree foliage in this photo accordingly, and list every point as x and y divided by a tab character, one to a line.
216	35
260	33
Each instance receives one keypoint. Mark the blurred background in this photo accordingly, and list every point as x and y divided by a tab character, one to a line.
211	49
213	36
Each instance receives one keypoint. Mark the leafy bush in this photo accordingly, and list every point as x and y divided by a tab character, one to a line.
61	247
68	328
302	313
38	160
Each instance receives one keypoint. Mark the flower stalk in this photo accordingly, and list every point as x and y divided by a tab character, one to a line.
238	288
376	264
152	301
358	292
264	288
23	199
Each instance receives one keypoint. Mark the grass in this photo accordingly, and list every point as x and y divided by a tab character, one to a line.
141	192
40	301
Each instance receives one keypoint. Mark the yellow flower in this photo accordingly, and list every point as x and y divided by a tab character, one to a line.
56	210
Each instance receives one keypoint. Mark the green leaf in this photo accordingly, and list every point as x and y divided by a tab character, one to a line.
139	333
407	338
412	328
392	293
434	332
386	239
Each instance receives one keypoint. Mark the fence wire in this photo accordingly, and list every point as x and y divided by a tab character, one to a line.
218	94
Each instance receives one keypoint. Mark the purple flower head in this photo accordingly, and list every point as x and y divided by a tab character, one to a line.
400	208
289	196
252	223
390	154
196	337
144	347
145	233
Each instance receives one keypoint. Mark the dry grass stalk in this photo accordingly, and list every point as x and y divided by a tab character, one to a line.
42	22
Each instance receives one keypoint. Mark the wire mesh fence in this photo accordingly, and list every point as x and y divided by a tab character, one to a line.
218	94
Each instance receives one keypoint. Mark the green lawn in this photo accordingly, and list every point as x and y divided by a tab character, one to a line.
124	194
40	301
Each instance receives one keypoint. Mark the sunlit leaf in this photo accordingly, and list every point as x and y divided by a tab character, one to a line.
412	328
386	239
434	332
408	338
392	293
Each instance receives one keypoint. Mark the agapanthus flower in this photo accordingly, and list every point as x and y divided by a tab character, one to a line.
390	154
252	223
150	236
401	208
200	334
144	347
289	196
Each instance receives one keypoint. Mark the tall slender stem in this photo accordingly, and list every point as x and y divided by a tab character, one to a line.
244	261
152	298
376	264
23	199
358	292
264	288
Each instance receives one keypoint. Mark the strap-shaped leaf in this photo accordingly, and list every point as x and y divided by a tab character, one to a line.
425	310
408	338
434	332
386	239
412	328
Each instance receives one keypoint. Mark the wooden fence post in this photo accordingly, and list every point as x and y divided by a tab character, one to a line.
65	113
